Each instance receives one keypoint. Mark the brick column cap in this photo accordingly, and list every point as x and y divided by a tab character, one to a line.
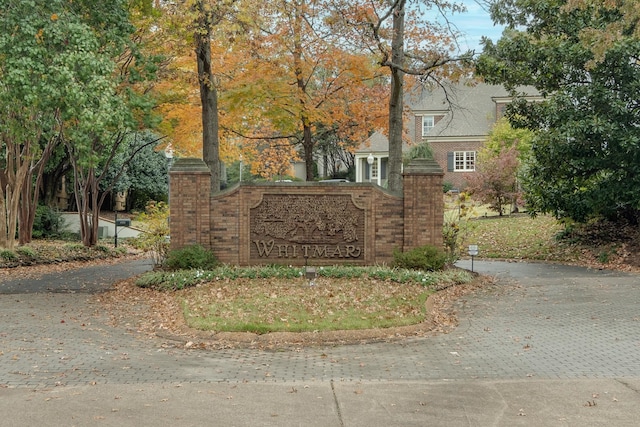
423	167
189	165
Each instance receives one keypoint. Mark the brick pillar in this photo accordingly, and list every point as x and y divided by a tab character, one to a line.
423	204
190	201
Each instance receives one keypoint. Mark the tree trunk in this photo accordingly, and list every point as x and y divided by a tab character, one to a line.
396	101
13	178
27	212
31	194
208	96
51	181
95	211
307	144
307	136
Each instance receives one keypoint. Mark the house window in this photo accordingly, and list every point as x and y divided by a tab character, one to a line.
462	161
374	169
427	124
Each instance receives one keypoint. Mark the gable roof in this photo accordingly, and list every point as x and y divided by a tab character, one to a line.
469	110
378	143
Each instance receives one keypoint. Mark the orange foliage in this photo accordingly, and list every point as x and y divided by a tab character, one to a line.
279	68
296	74
274	162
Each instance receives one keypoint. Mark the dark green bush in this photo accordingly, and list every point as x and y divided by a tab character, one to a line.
47	222
428	258
189	257
447	186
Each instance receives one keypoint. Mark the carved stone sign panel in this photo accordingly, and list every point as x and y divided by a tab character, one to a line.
327	228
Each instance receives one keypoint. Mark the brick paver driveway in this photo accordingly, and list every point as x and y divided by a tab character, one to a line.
539	321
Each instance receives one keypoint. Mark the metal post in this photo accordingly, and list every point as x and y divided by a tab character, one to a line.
168	153
473	251
115	223
370	160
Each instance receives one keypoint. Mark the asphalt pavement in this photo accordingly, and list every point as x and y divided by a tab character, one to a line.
548	345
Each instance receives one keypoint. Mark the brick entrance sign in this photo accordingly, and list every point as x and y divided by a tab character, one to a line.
305	223
293	226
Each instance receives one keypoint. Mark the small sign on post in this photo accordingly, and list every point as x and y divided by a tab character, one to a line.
473	251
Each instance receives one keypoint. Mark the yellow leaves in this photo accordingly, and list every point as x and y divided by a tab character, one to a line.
274	162
54	17
183	123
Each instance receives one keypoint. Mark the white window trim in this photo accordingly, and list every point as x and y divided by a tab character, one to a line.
468	161
432	120
374	169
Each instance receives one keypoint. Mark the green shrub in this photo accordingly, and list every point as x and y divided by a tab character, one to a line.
447	186
102	248
429	258
182	279
189	257
27	251
163	281
47	222
8	255
155	239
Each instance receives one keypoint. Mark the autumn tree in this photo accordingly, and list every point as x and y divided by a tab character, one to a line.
208	15
499	166
585	152
282	75
274	161
407	39
189	36
298	82
495	180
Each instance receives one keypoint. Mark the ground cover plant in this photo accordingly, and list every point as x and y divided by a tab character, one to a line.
45	252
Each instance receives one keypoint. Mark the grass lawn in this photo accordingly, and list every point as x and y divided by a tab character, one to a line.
347	298
230	299
518	237
263	305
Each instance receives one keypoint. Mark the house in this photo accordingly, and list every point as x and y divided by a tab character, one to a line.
455	123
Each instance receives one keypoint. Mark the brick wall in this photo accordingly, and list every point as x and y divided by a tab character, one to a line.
189	202
382	221
418	137
381	229
423	204
440	150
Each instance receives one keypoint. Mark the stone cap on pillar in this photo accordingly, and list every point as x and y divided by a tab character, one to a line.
189	165
423	167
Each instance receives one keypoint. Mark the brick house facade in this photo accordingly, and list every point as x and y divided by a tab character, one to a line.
456	124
